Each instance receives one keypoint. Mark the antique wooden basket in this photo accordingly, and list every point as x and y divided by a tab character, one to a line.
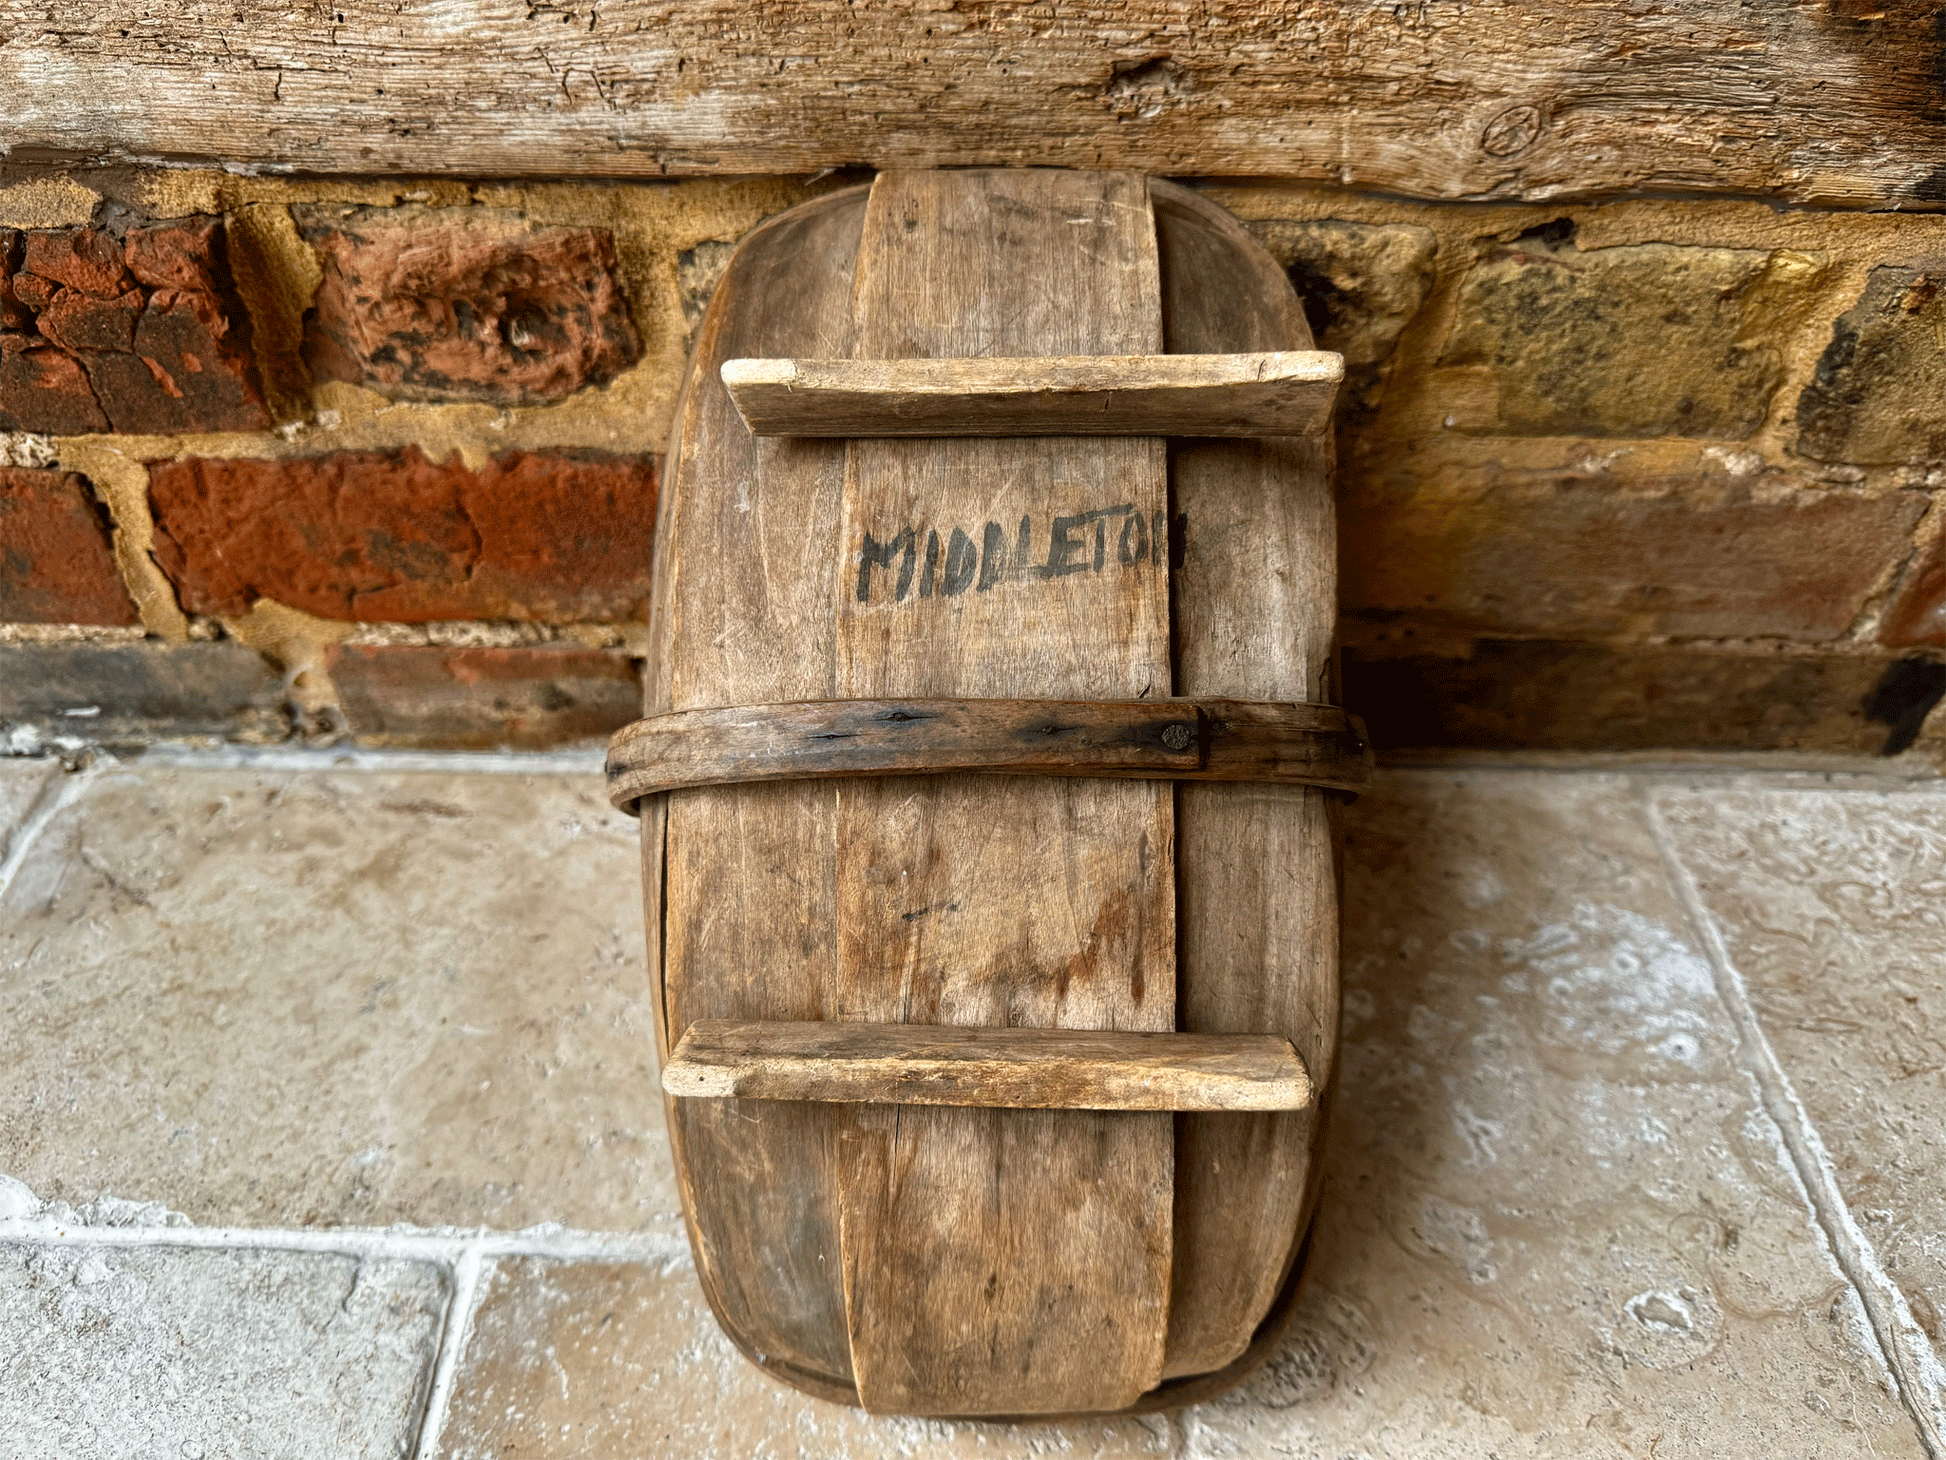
988	794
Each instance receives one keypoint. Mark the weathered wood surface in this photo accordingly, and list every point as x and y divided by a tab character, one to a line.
748	918
1255	603
748	565
1286	393
1215	740
1020	1069
1006	1261
1811	101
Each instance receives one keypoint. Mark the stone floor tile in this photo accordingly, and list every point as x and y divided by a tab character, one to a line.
21	781
1833	908
612	1360
113	1353
349	997
1556	1222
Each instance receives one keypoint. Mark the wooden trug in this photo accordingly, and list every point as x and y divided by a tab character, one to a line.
981	1260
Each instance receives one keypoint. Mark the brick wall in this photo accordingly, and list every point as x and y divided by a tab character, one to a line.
375	461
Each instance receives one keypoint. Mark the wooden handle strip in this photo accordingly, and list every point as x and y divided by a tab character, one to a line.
1269	393
1207	740
1020	1069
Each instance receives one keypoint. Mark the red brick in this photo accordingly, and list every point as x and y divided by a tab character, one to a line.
477	698
143	334
184	254
1917	618
81	258
43	389
391	536
463	304
56	566
1573	555
76	321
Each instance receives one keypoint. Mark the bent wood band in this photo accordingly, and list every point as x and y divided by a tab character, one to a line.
988	787
1216	740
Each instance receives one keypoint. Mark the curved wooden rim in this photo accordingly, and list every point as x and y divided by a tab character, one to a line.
1171	1394
1188	740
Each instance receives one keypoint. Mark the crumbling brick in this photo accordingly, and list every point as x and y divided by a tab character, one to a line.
1879	392
141	334
1650	339
392	536
1361	284
464	304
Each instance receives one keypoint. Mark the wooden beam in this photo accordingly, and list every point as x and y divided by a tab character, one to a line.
1016	1069
1286	393
1500	99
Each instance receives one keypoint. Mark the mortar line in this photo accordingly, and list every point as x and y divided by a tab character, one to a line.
58	792
461	1299
1916	1371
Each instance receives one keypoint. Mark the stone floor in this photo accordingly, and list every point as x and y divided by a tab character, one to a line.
329	1127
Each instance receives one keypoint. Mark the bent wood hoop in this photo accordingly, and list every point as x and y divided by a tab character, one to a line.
996	1058
1162	740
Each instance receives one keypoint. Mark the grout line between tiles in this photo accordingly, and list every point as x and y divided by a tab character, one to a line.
1909	1357
61	790
461	1300
313	758
415	1244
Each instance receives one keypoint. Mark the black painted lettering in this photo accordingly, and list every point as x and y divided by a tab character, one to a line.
962	558
932	564
876	554
993	556
1061	547
1134	545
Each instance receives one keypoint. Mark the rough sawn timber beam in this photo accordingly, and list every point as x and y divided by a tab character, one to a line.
1015	1069
1824	103
1271	393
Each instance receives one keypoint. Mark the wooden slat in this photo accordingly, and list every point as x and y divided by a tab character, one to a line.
1013	1261
744	900
1286	393
1023	1069
1501	99
1255	608
1221	740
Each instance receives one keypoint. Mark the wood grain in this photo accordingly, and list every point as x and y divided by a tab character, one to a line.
1255	610
1022	1069
1010	1262
1216	740
746	900
1540	99
1288	393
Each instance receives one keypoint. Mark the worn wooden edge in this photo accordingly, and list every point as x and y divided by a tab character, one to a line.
1267	393
1171	1394
1019	1069
1212	740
